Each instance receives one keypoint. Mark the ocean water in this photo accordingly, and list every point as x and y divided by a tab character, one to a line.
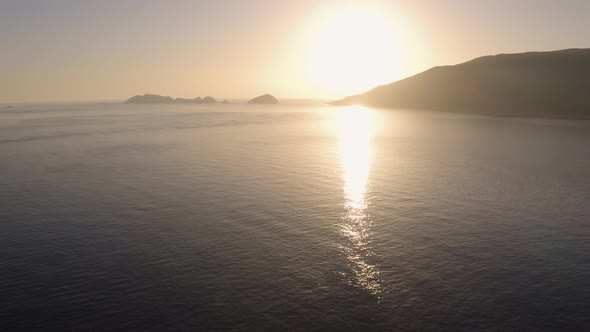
291	217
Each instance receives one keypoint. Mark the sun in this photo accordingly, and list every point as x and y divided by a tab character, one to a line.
352	51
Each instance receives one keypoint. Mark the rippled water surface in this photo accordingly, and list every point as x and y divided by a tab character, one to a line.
292	217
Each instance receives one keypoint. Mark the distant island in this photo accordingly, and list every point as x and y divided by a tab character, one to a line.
157	99
264	99
536	84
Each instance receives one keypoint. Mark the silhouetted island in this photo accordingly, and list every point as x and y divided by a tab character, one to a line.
150	99
157	99
264	99
536	84
209	100
197	100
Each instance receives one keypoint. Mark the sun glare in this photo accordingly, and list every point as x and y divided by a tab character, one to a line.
355	136
352	51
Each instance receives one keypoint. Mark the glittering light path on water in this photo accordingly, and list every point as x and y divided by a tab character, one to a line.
355	144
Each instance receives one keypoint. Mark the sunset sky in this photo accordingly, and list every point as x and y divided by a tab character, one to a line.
111	50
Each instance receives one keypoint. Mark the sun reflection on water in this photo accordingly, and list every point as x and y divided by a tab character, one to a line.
355	152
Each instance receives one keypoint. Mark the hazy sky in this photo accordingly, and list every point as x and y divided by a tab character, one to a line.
105	50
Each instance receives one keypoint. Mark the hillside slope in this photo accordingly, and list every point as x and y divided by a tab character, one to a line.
544	84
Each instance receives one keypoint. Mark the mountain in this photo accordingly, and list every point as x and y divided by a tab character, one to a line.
156	99
264	99
209	100
536	84
149	99
197	100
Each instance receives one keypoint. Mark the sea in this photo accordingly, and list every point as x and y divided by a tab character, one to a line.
291	217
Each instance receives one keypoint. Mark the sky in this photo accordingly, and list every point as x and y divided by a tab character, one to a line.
82	50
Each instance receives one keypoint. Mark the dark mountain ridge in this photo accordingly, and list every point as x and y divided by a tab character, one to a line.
535	84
